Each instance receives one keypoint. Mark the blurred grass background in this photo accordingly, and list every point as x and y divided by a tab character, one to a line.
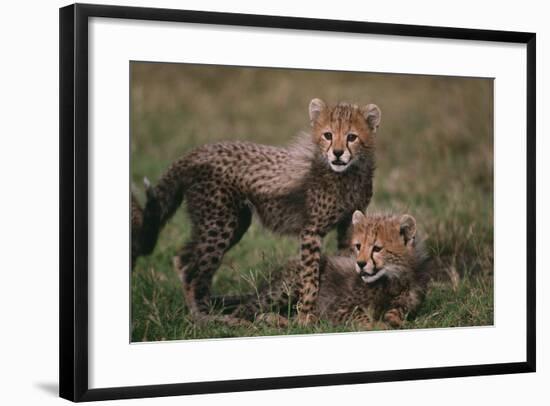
434	158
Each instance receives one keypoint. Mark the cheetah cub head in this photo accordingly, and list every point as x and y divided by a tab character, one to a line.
345	132
384	245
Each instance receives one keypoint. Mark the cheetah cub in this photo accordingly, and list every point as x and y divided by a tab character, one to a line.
382	282
305	189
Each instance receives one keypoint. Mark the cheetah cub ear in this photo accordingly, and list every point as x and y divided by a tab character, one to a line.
316	108
357	218
372	115
407	228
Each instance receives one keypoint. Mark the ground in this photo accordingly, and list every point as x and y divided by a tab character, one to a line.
435	161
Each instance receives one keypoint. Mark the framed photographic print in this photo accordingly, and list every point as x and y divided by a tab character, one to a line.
255	202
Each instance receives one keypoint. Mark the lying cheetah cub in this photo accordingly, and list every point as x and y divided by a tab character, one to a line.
305	189
382	282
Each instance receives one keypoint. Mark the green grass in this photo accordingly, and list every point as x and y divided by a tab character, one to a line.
435	161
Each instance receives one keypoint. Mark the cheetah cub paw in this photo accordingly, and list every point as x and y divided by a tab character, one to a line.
306	319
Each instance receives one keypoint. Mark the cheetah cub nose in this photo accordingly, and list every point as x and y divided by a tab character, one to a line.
361	264
338	153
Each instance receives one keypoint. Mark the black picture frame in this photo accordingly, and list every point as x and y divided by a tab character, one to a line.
73	253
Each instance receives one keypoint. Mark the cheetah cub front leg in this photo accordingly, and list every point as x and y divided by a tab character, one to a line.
401	306
311	240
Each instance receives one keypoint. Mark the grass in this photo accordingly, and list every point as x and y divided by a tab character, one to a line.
435	161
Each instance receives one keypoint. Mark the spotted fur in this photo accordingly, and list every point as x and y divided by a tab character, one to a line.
305	189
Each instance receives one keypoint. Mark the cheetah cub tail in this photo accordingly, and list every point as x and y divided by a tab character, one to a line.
151	220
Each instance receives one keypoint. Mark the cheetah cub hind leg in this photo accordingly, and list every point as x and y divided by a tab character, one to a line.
272	320
201	317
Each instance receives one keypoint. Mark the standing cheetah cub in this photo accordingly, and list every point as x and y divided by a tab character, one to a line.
305	189
382	282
